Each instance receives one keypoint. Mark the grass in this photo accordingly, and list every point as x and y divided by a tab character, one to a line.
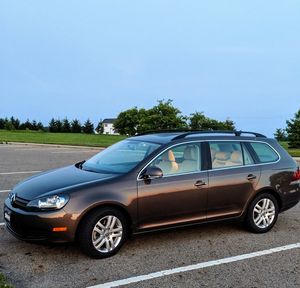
78	139
292	152
3	282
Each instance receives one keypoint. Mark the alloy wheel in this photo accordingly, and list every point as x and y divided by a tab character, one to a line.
264	213
107	234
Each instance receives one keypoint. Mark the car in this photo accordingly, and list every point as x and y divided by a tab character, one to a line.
155	181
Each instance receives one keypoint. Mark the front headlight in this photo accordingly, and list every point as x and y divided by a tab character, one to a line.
51	202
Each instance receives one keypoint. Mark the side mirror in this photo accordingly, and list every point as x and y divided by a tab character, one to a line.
152	173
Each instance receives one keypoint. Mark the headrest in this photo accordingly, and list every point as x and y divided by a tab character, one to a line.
213	153
222	156
190	153
168	156
236	156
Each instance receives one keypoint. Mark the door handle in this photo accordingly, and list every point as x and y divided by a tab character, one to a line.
251	177
199	183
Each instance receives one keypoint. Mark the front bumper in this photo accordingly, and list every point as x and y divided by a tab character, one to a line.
38	226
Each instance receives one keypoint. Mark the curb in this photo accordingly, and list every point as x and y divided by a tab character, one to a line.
54	145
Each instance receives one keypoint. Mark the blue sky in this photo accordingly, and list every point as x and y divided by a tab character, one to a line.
237	59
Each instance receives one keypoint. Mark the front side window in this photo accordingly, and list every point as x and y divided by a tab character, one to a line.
179	159
226	154
120	157
264	152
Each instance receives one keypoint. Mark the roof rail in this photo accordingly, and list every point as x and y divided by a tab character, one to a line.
236	133
164	131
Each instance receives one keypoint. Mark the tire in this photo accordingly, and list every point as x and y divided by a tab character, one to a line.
102	233
262	213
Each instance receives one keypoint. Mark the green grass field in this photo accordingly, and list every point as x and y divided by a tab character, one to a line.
78	139
3	282
293	152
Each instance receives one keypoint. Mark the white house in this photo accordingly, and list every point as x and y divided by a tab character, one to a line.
108	126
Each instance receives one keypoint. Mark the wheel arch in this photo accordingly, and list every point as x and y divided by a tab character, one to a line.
116	206
262	191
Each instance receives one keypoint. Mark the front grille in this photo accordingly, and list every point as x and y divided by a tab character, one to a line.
20	203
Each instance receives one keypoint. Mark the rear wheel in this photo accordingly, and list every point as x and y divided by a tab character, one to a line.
102	233
262	213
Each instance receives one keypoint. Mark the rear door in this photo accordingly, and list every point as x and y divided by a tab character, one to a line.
232	178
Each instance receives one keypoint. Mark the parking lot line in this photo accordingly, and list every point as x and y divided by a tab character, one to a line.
72	152
4	191
198	266
19	172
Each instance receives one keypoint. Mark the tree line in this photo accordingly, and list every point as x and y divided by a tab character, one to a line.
55	125
163	116
291	132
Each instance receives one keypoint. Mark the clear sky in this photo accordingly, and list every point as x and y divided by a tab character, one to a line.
237	59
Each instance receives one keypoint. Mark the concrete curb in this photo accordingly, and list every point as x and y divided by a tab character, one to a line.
54	145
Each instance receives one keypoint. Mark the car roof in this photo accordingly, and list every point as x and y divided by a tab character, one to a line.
166	137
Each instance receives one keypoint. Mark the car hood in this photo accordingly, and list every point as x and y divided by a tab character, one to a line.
57	180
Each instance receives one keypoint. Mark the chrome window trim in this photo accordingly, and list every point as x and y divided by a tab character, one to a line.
217	169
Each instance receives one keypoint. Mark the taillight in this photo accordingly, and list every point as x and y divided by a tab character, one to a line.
296	175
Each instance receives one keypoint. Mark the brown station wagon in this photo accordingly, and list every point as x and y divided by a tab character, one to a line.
156	181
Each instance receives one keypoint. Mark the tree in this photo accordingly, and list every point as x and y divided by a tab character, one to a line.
28	125
2	123
88	127
40	126
66	127
55	125
15	122
9	126
58	125
280	135
52	125
34	126
163	116
198	121
128	121
75	126
100	128
293	131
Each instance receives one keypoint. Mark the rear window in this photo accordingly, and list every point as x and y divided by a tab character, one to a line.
264	152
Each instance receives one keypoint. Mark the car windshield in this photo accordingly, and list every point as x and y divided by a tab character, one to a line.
120	157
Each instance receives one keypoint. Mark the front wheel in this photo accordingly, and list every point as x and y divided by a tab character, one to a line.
262	213
102	233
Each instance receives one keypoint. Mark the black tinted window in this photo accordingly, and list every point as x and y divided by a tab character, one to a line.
264	152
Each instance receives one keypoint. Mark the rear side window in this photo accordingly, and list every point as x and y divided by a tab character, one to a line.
264	152
226	154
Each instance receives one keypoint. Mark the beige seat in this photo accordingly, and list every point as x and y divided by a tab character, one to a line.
236	159
213	154
191	160
168	163
220	159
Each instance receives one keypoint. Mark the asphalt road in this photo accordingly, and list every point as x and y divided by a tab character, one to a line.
37	265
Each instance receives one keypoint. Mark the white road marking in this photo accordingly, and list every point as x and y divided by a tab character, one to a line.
4	191
19	172
82	151
202	265
2	224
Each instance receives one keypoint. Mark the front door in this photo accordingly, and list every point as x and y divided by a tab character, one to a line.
180	195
